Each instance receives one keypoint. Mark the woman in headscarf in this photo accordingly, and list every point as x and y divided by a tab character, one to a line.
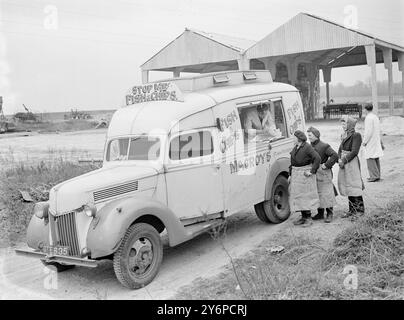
325	186
303	194
350	183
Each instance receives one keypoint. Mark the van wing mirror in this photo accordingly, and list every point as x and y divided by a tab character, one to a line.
219	124
276	138
269	146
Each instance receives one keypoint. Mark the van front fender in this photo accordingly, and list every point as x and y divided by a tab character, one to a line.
37	233
111	222
281	165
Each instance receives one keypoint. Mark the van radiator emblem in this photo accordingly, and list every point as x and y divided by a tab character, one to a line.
115	191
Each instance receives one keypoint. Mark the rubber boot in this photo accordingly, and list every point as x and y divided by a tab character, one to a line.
351	212
300	221
328	218
308	220
319	215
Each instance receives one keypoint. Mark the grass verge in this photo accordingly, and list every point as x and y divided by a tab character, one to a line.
37	179
311	268
375	245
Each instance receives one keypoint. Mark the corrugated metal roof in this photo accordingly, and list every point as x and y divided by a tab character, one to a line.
310	38
234	43
378	40
194	47
307	33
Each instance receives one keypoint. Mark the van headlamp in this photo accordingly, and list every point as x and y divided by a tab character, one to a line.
90	210
41	210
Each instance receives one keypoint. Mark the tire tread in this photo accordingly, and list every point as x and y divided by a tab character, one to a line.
268	216
120	273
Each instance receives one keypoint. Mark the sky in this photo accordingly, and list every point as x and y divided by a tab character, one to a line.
61	54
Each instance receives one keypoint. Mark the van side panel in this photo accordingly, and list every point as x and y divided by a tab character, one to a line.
201	119
238	163
249	169
294	117
293	112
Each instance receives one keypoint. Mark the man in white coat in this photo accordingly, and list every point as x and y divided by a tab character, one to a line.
372	143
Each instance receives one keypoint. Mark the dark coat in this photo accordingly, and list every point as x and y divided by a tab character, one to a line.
327	154
351	143
304	155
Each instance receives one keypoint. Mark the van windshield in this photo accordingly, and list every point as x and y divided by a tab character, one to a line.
133	148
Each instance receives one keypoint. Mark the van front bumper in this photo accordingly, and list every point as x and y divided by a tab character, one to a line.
56	258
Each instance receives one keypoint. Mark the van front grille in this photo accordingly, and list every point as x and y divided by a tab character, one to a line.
67	232
115	191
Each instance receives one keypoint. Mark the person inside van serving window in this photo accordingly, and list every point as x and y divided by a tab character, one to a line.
267	121
261	121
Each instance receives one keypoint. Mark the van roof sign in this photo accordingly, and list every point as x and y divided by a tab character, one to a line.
158	91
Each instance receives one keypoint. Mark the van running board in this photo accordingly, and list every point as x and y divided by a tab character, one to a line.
210	217
199	228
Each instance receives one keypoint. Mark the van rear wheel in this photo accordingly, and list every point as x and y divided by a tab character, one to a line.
276	209
138	258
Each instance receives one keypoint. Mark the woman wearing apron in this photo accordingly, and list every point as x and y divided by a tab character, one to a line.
325	186
350	183
303	194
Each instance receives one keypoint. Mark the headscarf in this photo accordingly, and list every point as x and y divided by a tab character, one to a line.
300	135
314	131
350	128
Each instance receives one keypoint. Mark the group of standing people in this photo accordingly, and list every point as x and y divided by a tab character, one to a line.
311	187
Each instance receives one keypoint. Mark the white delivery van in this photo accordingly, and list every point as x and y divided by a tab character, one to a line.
180	157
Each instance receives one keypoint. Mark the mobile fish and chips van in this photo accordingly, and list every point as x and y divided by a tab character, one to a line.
178	161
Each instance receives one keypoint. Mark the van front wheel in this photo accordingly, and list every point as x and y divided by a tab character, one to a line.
138	258
276	209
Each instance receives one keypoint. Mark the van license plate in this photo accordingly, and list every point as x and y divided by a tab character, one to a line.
56	250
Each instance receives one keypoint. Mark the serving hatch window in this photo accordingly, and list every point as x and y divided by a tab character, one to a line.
263	120
134	148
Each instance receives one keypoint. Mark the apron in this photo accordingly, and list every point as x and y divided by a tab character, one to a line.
325	188
303	193
350	182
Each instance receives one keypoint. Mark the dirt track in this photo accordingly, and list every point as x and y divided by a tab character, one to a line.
203	257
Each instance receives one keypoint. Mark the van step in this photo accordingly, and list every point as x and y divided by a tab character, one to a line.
188	221
199	228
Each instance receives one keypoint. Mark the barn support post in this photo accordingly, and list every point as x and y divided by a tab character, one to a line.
270	64
327	80
145	76
243	63
388	64
371	61
401	68
177	72
313	77
292	71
